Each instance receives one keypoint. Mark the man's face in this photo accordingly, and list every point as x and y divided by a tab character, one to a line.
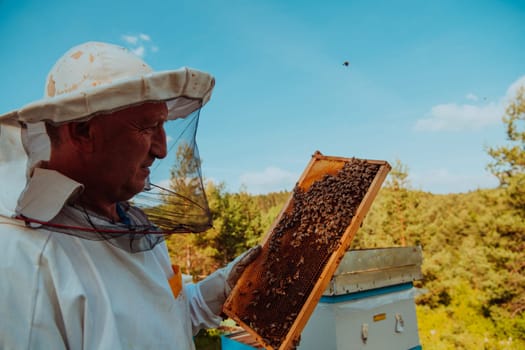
126	144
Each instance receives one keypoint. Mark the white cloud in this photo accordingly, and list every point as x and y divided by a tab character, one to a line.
271	179
139	51
456	117
144	37
471	97
140	44
130	39
513	89
444	181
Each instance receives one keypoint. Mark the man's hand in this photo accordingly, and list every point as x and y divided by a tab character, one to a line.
237	266
216	287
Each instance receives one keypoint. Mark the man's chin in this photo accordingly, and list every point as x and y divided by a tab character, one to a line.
134	189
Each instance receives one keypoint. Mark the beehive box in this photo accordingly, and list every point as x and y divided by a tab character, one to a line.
277	293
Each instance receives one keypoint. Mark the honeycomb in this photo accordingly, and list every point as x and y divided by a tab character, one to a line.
297	250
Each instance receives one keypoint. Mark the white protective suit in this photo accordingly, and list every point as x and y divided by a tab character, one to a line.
88	294
70	291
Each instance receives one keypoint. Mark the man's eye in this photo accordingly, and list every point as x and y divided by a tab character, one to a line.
149	129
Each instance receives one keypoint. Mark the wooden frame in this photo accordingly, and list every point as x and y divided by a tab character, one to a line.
318	167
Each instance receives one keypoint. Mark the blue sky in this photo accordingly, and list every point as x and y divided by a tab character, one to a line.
427	81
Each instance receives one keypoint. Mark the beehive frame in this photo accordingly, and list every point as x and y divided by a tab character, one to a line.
249	285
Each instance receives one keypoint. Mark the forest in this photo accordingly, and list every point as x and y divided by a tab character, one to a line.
473	286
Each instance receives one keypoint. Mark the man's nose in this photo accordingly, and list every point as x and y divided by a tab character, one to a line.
159	148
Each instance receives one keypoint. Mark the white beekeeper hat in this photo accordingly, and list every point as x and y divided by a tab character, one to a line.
96	77
91	79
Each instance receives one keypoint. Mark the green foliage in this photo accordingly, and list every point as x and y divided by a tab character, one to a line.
270	205
396	207
460	325
192	259
208	339
473	258
237	225
516	193
398	176
269	201
509	159
473	245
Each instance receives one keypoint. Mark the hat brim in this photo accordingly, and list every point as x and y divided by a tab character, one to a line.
190	89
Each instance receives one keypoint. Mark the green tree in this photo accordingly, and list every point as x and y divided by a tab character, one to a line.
390	219
270	205
186	182
237	224
183	208
509	160
509	167
398	184
187	208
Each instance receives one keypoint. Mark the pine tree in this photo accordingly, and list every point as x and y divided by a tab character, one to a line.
509	160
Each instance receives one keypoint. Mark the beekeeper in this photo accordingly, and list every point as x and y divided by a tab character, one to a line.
82	267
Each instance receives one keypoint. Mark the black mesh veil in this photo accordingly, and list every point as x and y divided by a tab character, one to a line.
173	200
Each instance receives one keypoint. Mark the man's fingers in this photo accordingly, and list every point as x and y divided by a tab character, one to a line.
243	262
251	255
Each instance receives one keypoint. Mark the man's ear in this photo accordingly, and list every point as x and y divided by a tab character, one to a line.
81	135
